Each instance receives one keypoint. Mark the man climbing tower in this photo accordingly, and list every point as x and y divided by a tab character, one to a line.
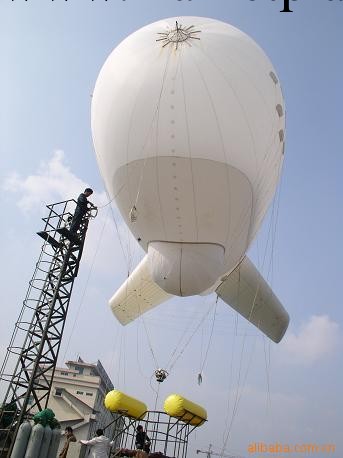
81	209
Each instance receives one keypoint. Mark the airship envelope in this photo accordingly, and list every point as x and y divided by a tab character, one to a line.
188	125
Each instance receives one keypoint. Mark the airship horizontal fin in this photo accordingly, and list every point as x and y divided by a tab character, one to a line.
138	294
249	294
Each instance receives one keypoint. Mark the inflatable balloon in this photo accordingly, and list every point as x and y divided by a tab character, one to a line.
188	123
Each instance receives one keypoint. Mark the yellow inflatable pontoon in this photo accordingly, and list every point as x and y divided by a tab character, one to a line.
116	401
180	407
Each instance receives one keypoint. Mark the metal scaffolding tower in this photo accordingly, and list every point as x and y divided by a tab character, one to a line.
36	340
167	435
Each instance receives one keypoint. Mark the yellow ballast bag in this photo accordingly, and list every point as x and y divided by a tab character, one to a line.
116	401
179	407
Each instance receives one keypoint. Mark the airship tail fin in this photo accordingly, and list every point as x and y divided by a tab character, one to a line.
249	294
138	294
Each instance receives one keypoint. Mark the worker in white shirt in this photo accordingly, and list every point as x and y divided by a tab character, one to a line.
100	445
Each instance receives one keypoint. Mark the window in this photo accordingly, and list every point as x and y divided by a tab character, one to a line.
58	392
79	392
89	394
79	369
64	373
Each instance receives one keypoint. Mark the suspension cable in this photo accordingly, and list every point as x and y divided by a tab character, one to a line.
81	303
190	338
211	335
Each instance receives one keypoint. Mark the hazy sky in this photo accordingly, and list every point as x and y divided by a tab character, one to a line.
51	53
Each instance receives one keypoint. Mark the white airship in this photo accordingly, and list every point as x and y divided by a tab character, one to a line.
188	124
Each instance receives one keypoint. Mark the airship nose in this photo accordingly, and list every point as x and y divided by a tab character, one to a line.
185	269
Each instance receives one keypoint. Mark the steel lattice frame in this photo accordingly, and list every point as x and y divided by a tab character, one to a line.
36	340
168	435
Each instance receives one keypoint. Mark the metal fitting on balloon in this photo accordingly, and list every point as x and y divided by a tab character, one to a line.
133	214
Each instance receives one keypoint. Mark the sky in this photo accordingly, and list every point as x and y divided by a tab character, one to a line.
254	391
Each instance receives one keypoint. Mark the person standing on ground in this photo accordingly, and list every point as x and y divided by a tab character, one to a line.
100	445
69	435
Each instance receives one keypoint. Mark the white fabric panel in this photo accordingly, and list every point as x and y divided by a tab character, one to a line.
185	269
138	294
187	200
248	293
